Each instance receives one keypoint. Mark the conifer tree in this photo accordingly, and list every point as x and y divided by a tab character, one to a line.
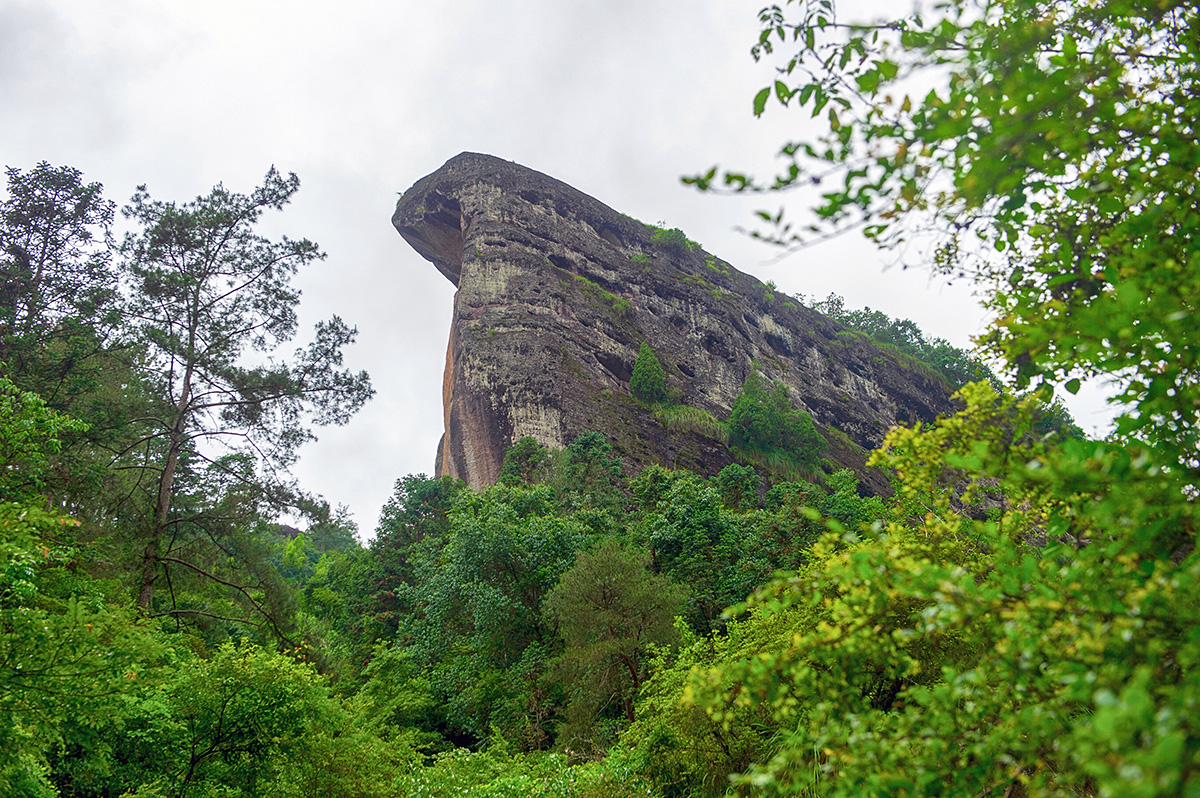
207	290
610	608
648	382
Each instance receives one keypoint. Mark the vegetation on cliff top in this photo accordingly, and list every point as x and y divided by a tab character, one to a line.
954	365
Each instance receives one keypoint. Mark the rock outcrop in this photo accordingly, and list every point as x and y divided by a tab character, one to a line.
556	293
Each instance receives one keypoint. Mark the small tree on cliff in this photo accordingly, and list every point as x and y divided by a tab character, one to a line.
648	382
763	420
205	289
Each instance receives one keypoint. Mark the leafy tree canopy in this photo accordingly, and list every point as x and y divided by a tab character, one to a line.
29	437
1021	623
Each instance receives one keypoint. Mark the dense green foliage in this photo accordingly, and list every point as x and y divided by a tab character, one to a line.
763	422
648	382
490	590
100	693
1025	624
524	462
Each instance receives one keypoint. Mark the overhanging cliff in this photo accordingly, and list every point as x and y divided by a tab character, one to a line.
556	293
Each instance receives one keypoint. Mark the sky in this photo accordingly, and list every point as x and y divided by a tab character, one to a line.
618	98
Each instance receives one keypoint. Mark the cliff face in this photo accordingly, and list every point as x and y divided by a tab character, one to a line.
556	293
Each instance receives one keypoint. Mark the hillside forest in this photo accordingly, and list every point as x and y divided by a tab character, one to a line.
1017	616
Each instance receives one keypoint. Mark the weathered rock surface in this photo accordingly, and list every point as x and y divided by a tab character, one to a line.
556	292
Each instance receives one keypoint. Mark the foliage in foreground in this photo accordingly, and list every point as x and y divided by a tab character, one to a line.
1025	624
939	652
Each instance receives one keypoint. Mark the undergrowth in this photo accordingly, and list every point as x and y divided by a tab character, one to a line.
684	418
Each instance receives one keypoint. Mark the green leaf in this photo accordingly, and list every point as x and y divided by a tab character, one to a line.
868	82
760	101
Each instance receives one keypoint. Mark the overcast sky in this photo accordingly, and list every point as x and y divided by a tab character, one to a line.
361	98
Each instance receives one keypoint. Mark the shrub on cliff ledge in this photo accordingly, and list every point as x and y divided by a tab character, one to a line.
648	382
673	240
764	422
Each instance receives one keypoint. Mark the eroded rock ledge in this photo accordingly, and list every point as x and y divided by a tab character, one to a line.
556	292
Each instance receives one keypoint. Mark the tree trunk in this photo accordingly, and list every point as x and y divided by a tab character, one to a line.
162	507
631	666
149	572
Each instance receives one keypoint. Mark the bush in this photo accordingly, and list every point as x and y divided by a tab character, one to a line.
673	240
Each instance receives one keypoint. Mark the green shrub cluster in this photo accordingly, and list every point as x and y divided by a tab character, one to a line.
764	422
673	240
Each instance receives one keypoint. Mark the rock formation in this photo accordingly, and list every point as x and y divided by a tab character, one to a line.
556	293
